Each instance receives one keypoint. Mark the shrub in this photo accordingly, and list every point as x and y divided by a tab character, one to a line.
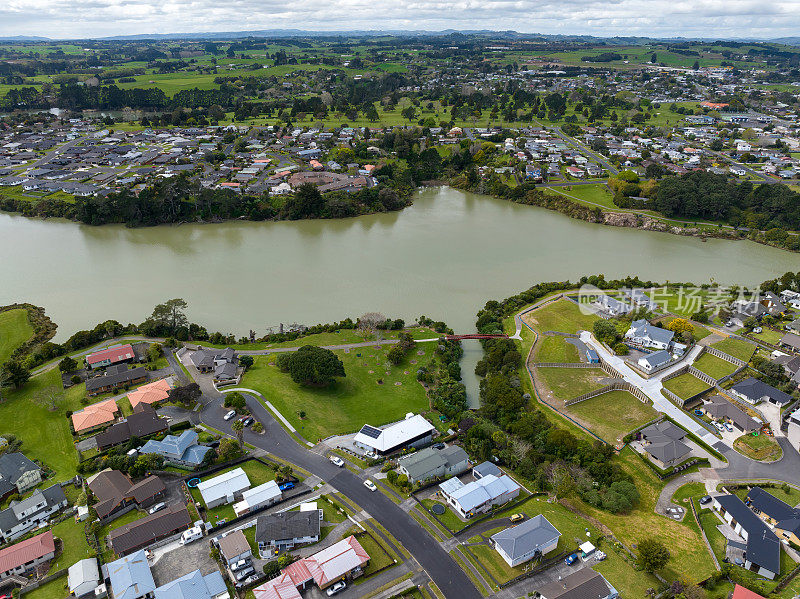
621	349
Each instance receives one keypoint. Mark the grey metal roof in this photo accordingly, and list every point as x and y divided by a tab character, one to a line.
12	467
287	525
583	584
763	547
757	390
48	498
485	468
524	538
642	328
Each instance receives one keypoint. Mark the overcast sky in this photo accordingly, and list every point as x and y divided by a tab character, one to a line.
690	18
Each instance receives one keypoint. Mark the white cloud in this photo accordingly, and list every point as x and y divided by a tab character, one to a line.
710	18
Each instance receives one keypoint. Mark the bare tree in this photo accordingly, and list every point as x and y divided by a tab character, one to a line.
520	449
560	480
49	397
368	323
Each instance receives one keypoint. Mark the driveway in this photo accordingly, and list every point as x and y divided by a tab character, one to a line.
175	560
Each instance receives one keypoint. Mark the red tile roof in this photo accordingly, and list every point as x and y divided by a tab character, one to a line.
27	551
118	353
740	592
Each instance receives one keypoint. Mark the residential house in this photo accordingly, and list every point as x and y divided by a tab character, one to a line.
721	409
645	334
20	517
739	592
182	450
258	497
663	443
413	431
150	393
130	577
612	306
18	474
225	488
116	354
194	585
783	518
654	361
141	424
234	547
114	492
754	392
286	530
344	560
480	495
83	579
790	341
533	538
221	362
485	469
640	299
27	555
762	547
115	377
583	584
94	416
150	529
431	463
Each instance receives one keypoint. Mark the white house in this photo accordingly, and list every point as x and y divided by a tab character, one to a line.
412	431
83	578
260	496
645	334
653	361
480	495
224	488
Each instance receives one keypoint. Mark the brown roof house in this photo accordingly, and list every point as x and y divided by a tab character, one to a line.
142	423
148	530
115	491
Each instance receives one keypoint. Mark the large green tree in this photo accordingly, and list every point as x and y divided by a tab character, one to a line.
312	366
653	555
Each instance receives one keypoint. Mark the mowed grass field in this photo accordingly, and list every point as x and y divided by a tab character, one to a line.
686	385
738	348
556	349
15	329
567	383
614	414
45	434
561	315
714	366
591	195
351	401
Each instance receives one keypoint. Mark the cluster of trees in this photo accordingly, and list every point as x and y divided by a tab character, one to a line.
311	366
119	460
443	377
398	352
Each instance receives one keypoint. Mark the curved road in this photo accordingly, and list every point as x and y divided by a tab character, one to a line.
447	575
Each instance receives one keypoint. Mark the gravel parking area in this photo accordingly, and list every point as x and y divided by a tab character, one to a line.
182	559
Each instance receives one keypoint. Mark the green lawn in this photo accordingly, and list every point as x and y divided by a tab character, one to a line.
351	401
45	434
15	329
699	331
792	497
691	561
612	415
567	383
762	447
55	589
686	385
75	546
768	336
562	315
556	349
449	518
378	556
592	195
738	348
714	366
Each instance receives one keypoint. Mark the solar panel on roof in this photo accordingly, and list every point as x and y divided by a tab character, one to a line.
371	431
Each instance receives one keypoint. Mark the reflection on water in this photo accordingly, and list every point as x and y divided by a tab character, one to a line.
442	257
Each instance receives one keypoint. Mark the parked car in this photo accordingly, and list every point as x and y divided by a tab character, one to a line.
286	486
719	427
438	445
517	517
339	586
728	427
370	485
729	323
248	420
705	500
157	508
242	563
572	558
600	556
191	535
229	415
337	461
242	574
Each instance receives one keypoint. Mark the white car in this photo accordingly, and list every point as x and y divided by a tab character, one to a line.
157	507
757	330
337	461
230	415
719	427
728	427
370	485
339	586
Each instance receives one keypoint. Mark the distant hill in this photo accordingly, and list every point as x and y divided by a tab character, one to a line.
23	38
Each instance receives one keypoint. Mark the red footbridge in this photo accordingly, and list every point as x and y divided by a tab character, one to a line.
474	336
